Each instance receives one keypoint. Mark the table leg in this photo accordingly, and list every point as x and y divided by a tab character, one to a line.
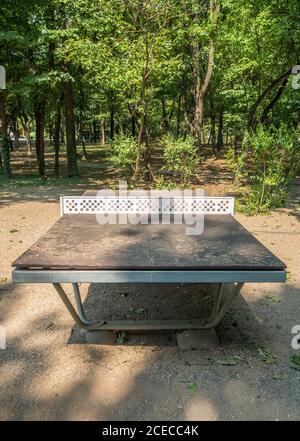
80	310
218	314
78	317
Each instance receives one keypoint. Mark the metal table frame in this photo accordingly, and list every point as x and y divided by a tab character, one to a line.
219	309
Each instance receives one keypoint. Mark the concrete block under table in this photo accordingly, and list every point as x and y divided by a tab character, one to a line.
101	337
197	339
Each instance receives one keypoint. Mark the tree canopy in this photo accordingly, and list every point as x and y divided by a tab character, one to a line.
210	69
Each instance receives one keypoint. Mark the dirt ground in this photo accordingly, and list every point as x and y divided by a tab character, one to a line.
47	372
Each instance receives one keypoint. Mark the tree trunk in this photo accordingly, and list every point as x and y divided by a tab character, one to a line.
203	134
50	131
81	133
132	112
186	115
103	131
251	119
235	145
26	128
143	131
15	130
90	133
39	113
70	131
165	122
200	90
5	149
220	130
56	136
63	131
133	125
141	137
178	114
81	119
213	130
198	110
272	103
94	131
83	147
81	136
112	122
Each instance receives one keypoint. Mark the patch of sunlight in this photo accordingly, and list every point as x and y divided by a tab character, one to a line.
201	409
10	371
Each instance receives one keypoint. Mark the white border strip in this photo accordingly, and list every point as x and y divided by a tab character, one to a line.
146	205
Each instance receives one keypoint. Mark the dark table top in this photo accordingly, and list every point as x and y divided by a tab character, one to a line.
79	242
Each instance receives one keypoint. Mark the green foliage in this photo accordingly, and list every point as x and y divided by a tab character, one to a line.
236	163
192	388
113	51
161	183
296	359
273	298
269	160
180	156
267	356
124	151
121	338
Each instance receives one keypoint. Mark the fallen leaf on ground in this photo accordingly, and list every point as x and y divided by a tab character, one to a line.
229	361
121	337
267	356
274	298
295	358
192	388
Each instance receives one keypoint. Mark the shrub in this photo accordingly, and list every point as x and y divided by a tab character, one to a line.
268	162
180	156
124	151
236	163
161	183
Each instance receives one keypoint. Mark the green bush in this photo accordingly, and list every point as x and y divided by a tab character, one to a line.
236	163
268	162
161	183
180	156
123	157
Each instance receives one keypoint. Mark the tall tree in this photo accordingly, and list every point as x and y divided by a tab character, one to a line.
70	130
4	140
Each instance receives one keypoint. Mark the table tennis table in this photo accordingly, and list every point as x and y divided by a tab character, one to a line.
77	249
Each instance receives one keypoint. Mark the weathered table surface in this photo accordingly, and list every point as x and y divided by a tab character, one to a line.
79	242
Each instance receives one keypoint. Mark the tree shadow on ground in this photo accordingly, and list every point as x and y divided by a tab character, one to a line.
151	379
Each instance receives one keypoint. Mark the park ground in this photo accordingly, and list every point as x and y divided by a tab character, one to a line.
47	372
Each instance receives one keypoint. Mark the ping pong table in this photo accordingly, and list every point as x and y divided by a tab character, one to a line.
78	249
